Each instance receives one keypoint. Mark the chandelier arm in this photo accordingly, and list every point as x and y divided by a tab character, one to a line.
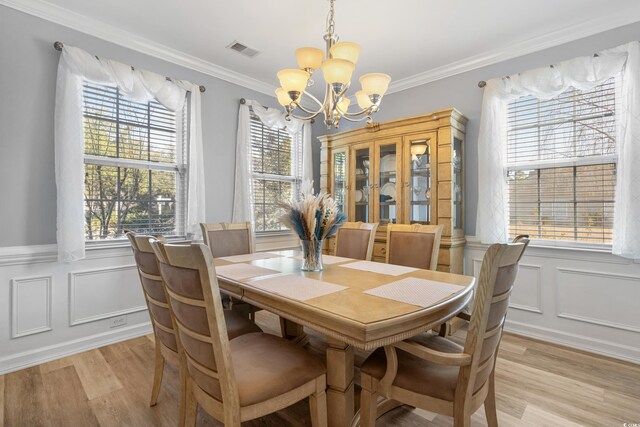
313	115
366	111
320	104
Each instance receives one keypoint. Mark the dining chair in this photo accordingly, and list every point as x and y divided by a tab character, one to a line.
355	240
234	380
228	239
414	245
433	373
445	328
166	348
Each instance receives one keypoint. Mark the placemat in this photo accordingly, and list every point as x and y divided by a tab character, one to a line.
250	257
420	292
379	267
243	271
329	259
296	287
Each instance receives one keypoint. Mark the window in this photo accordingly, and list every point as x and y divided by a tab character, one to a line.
135	171
561	165
276	158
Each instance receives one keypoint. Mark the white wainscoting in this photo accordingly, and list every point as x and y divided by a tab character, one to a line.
30	305
579	298
102	293
50	310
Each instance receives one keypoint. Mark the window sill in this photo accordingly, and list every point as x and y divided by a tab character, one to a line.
97	245
474	242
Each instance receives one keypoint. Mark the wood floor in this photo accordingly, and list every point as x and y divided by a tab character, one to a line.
537	385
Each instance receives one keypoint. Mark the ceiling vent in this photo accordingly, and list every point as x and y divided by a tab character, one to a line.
243	49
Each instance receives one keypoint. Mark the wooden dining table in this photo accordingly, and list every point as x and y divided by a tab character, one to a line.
349	318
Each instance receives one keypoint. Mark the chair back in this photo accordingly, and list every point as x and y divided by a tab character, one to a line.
152	287
414	245
227	239
497	278
194	298
355	240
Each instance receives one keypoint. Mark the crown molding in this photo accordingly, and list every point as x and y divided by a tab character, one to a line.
534	44
96	28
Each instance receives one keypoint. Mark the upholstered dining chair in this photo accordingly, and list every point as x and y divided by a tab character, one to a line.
238	379
413	245
163	329
355	240
436	374
228	239
465	314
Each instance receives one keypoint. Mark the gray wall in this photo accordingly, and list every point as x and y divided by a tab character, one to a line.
462	92
28	65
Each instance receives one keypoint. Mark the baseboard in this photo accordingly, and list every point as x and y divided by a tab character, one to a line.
580	342
37	356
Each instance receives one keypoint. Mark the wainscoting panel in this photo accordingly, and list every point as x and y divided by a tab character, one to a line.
527	293
30	305
613	298
103	293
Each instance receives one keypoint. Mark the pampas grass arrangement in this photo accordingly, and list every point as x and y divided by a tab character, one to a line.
313	217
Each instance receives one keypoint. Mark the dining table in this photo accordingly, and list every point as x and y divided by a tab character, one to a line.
353	303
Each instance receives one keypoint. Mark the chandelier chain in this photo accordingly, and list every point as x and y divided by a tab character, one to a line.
331	24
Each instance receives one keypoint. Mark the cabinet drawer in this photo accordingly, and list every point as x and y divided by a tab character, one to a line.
380	250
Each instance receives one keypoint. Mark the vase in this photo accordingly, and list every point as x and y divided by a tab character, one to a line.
312	255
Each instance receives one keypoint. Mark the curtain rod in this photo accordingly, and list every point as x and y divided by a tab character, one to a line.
244	101
59	45
482	83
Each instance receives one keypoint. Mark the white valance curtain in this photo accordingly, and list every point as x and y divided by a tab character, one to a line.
581	73
273	118
77	66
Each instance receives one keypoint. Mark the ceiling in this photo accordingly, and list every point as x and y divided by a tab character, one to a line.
412	40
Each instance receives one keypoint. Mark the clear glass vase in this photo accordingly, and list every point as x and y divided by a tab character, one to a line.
312	255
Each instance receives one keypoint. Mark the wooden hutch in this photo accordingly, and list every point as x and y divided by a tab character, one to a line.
402	171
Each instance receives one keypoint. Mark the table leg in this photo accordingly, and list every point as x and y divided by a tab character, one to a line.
293	332
340	388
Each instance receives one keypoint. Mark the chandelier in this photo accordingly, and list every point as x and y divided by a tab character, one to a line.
337	69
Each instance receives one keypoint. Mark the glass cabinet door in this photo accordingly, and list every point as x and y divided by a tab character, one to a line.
456	162
388	190
340	179
418	182
362	186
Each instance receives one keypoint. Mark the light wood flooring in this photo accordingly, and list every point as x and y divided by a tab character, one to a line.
537	384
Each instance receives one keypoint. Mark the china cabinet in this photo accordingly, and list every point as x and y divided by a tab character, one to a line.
402	171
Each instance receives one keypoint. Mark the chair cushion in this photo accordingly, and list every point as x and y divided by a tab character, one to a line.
418	375
353	243
238	325
265	366
411	249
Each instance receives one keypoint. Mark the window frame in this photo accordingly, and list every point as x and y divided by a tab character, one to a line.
576	161
295	180
180	166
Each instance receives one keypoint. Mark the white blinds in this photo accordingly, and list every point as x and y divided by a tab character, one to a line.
135	168
561	165
276	160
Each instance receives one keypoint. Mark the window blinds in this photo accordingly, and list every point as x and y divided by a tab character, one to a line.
134	165
277	172
561	165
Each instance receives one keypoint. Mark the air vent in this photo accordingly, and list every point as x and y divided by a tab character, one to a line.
243	49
